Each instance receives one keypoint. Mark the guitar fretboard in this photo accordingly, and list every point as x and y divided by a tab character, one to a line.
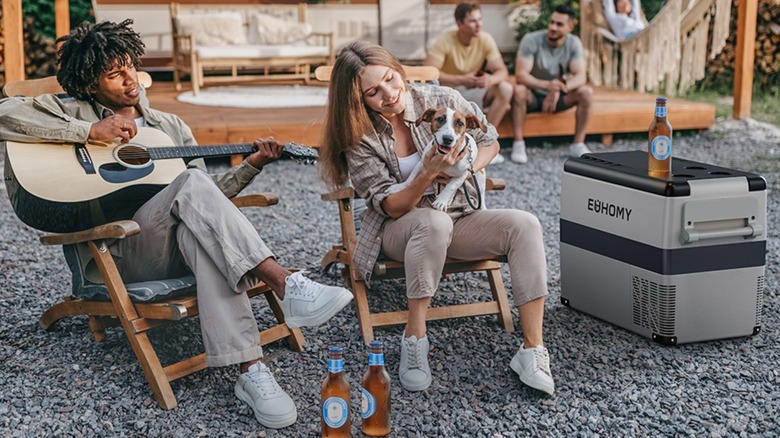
200	151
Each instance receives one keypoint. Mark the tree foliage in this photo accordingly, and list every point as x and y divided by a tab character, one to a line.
43	12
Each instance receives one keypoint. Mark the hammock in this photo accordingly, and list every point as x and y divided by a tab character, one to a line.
669	54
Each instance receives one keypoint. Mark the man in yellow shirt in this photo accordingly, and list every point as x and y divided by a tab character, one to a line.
470	62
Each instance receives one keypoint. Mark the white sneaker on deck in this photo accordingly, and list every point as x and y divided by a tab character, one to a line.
533	367
577	149
272	406
307	303
519	155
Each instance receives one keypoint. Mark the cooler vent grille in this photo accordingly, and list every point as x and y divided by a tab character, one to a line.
759	299
654	306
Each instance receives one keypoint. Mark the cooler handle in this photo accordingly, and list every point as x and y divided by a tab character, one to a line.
693	235
743	209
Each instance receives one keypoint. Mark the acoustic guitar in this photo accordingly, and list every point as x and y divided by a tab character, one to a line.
67	187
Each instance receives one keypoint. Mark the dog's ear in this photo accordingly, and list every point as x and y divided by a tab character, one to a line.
473	122
427	116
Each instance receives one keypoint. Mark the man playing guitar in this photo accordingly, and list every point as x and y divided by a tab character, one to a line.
190	225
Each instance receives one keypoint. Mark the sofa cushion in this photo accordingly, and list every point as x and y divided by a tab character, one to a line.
265	29
213	29
249	51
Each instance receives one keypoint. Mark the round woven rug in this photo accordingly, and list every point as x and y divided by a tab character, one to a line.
257	96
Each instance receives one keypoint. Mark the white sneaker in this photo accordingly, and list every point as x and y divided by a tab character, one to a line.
533	367
272	406
498	159
519	155
308	303
414	372
577	149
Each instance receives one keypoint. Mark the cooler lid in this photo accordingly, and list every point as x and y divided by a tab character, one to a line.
629	169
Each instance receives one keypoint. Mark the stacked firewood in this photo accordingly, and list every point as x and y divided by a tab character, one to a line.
39	53
767	57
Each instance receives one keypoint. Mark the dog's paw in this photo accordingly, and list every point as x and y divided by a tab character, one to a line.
440	205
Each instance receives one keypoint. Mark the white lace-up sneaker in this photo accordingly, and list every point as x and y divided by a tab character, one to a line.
272	406
519	155
577	149
533	367
414	372
308	303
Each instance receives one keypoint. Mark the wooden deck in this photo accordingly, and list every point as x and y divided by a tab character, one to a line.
614	112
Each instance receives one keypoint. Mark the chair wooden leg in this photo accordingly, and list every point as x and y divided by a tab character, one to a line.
295	338
331	257
142	346
499	295
361	307
153	369
57	312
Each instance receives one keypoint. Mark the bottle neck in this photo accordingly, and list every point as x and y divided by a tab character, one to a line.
376	359
335	365
660	111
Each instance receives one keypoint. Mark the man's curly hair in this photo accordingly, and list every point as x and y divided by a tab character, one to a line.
91	50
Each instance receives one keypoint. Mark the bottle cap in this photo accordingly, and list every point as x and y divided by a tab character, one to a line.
335	349
660	100
375	344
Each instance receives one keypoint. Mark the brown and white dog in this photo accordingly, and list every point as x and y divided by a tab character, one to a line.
449	129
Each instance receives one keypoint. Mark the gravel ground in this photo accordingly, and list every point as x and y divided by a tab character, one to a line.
609	381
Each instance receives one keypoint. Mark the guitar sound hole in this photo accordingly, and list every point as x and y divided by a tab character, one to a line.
133	156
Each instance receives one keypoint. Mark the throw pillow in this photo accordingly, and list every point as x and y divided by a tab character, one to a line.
214	29
268	30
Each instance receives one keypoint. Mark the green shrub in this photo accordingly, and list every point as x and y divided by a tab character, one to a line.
43	11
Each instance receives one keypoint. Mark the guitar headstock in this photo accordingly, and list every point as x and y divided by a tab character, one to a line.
303	154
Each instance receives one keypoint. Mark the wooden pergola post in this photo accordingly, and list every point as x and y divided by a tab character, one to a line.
13	56
745	57
13	32
61	18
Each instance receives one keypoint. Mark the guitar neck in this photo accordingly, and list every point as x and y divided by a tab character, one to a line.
200	151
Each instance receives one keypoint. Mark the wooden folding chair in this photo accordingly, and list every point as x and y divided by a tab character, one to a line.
342	253
140	307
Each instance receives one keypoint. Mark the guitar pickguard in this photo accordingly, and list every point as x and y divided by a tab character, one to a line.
118	174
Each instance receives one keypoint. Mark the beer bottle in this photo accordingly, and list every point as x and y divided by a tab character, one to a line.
659	146
334	397
375	407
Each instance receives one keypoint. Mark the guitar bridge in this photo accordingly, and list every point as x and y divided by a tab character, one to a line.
82	155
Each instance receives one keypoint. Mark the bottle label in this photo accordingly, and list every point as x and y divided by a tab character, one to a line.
661	147
335	411
368	404
660	111
335	365
376	359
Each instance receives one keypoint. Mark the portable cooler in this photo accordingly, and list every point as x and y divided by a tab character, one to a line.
676	260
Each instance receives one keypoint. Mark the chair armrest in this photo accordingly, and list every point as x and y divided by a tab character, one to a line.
338	195
111	230
495	184
256	200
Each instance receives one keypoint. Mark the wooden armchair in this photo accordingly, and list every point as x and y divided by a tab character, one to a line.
342	252
139	307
